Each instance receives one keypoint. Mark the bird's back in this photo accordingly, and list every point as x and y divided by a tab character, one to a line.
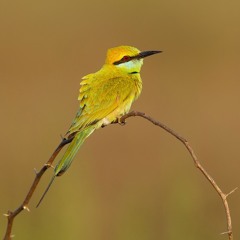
105	96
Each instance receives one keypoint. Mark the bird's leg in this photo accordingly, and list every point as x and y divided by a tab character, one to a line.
120	121
117	120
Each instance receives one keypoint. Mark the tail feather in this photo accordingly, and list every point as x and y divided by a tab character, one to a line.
68	156
45	192
72	150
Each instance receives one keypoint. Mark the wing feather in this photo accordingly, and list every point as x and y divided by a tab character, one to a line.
100	97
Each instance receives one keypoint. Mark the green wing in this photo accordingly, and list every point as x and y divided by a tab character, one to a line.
100	97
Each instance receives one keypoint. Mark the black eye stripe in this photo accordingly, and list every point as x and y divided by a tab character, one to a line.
134	72
123	60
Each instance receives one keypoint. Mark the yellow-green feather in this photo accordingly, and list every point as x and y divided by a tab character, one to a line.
72	150
104	97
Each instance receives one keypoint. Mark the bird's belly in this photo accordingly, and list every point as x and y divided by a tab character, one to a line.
105	121
116	114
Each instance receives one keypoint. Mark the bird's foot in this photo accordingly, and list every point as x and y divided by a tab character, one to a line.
121	122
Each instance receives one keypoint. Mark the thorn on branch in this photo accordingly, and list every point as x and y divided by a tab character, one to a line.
25	207
35	171
231	192
224	233
48	165
6	214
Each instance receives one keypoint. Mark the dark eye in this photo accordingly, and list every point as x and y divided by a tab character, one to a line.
126	58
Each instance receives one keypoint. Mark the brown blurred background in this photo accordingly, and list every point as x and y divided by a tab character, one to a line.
131	182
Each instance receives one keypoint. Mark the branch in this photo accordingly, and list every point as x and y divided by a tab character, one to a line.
222	195
24	206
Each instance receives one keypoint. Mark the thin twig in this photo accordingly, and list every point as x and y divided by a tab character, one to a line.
11	215
24	206
222	195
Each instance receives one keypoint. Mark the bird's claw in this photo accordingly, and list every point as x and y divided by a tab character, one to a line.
121	122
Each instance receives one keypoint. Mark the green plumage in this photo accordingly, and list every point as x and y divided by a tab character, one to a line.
72	150
104	97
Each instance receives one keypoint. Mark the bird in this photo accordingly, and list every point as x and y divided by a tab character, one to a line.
104	96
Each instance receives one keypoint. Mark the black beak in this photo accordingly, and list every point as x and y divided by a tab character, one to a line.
138	56
146	54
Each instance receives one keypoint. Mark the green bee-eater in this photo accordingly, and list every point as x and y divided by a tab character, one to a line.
105	96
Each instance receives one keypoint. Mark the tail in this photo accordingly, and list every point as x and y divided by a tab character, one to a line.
72	150
68	156
45	192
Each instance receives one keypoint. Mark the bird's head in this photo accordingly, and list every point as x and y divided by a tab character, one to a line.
128	59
